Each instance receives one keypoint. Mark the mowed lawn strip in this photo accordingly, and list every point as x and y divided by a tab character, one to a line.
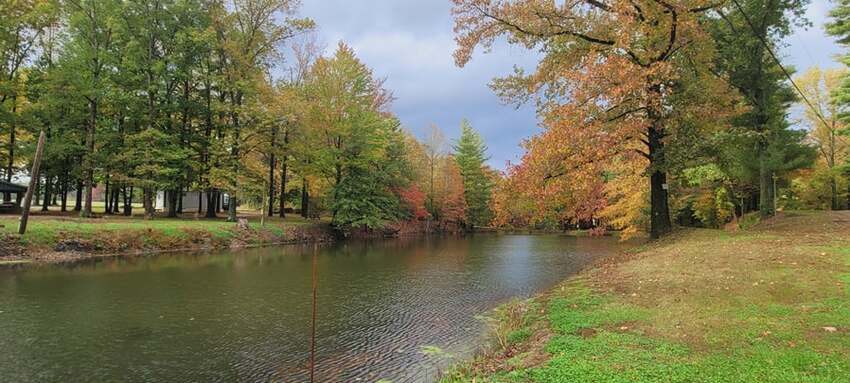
770	304
48	231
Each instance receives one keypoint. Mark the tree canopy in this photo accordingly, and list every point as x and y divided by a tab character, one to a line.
654	113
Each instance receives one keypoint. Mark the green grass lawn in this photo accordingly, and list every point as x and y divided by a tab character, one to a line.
48	230
771	304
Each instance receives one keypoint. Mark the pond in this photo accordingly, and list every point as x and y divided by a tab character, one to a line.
245	316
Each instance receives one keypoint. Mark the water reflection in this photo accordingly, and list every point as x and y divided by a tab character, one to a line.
245	316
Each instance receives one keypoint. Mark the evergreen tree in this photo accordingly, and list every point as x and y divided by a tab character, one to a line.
470	154
745	37
839	27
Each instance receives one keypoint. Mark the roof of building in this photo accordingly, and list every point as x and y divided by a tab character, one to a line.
8	187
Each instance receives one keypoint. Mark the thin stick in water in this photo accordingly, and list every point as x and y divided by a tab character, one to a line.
313	319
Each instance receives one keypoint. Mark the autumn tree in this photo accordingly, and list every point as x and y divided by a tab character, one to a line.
511	206
451	204
434	147
290	98
249	34
605	83
818	85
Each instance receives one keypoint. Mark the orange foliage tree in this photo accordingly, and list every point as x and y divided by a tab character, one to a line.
413	199
452	207
609	90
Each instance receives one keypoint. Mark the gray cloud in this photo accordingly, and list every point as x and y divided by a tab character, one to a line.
410	42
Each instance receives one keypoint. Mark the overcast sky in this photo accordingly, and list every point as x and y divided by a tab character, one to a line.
410	42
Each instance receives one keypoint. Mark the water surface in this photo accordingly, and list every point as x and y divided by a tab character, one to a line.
246	316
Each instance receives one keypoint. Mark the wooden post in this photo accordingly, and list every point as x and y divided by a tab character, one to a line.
36	163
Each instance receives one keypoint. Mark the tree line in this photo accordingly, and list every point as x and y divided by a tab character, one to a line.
663	112
234	98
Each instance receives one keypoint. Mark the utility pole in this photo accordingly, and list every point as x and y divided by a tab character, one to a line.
36	164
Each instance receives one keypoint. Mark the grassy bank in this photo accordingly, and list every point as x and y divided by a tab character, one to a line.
770	304
54	239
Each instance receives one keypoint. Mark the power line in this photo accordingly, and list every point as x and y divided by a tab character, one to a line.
779	63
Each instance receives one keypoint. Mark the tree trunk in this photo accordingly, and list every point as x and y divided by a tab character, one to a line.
305	200
64	201
48	190
78	203
272	183
10	168
766	208
659	209
171	197
231	209
236	99
107	197
272	168
147	201
180	196
88	163
283	188
128	201
212	203
833	185
115	199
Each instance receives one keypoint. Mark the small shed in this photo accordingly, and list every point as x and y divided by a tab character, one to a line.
10	205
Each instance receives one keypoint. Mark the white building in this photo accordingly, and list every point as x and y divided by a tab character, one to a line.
193	201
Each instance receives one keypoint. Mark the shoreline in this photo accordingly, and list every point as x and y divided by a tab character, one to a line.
70	258
64	240
699	305
71	247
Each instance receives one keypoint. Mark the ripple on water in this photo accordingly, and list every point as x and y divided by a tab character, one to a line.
246	317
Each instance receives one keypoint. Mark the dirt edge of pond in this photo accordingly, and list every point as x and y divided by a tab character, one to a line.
74	247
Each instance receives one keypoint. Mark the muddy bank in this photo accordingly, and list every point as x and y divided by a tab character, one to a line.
72	247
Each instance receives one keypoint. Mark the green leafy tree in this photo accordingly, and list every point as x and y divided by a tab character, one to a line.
839	26
357	145
22	25
156	162
471	155
91	55
745	38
